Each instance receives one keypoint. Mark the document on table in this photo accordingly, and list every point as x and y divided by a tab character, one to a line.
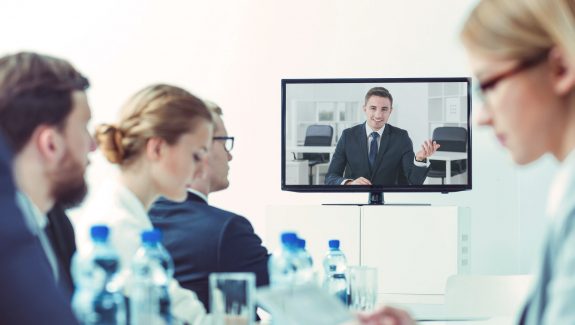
303	305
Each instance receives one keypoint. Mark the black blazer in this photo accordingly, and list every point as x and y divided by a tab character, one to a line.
393	163
60	232
28	293
203	239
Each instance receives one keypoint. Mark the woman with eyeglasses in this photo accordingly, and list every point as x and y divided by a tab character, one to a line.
159	143
523	55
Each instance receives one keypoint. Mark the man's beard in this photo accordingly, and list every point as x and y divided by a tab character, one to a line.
68	185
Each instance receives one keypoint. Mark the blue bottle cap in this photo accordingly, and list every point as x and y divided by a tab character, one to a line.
334	244
153	236
301	243
288	238
99	232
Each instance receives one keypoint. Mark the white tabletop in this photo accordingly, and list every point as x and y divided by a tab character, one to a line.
448	155
311	149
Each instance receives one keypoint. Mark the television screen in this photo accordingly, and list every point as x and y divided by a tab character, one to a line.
366	135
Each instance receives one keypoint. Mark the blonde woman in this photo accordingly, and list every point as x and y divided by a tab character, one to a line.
159	144
523	55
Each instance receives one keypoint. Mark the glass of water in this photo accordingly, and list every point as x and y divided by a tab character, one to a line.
363	288
232	298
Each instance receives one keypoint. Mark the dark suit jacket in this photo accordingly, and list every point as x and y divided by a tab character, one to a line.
61	234
393	163
28	293
203	239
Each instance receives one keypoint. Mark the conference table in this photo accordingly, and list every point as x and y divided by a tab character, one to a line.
448	157
311	149
500	320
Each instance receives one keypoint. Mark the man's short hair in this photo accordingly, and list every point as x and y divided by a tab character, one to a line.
35	90
213	107
379	92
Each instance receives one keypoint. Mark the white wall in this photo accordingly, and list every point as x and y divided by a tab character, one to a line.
236	52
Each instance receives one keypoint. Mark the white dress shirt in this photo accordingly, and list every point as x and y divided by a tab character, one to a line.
369	131
117	207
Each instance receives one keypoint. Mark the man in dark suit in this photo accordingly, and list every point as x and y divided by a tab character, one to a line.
28	293
377	153
60	232
203	239
43	116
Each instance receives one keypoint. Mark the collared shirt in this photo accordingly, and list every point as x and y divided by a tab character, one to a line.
37	222
199	194
560	185
551	300
369	131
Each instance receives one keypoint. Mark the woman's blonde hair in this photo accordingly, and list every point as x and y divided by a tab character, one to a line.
520	29
161	111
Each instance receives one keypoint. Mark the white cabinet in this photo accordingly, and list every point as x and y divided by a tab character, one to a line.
415	248
317	224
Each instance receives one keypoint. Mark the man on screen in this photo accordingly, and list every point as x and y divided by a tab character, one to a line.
377	153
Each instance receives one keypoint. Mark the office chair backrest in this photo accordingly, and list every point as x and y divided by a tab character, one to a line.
318	135
451	138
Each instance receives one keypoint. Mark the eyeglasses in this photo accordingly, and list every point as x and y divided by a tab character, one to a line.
485	87
228	142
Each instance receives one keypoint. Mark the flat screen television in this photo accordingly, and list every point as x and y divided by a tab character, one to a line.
327	135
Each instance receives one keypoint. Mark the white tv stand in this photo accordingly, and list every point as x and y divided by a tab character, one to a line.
415	248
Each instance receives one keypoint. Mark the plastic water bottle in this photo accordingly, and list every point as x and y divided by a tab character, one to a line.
281	265
335	265
304	263
152	270
97	299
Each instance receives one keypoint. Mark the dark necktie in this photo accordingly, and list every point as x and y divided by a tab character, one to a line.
373	148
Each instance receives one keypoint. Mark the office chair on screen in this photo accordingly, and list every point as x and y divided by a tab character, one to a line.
317	135
452	139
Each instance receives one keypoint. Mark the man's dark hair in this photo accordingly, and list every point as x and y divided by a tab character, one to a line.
379	92
35	90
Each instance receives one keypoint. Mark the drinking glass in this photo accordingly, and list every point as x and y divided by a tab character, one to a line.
363	288
232	298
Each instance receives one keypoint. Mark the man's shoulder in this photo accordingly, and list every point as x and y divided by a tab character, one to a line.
356	128
191	210
395	129
354	131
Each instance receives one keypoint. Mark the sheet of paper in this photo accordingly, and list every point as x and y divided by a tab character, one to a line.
303	305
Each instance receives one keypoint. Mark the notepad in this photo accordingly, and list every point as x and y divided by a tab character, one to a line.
302	305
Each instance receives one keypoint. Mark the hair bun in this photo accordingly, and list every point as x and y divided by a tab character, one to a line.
109	140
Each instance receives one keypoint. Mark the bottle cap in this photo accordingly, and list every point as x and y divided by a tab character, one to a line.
153	236
301	243
334	243
99	232
288	238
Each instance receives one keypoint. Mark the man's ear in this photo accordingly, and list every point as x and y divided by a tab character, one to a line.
154	148
50	143
562	71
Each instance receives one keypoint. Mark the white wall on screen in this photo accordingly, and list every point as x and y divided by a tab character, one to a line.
236	52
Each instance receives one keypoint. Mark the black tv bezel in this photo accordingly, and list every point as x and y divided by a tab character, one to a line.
435	188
